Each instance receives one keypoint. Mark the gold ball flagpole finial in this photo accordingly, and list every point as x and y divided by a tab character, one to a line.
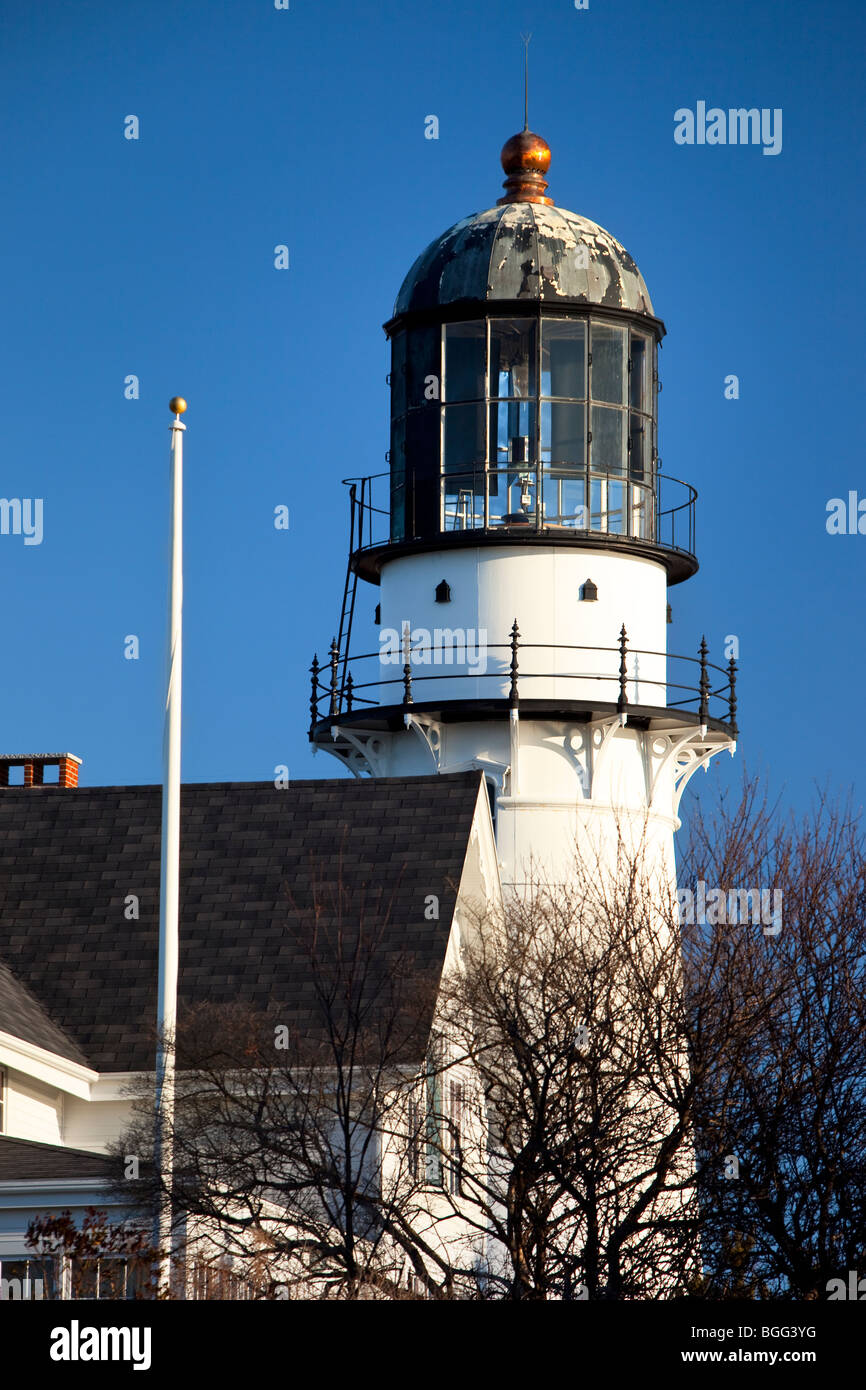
177	404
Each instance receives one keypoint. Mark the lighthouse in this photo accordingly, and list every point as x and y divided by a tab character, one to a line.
521	544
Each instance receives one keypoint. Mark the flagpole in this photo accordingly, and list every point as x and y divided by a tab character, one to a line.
169	885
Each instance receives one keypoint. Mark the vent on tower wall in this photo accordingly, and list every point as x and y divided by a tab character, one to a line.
588	592
33	767
443	592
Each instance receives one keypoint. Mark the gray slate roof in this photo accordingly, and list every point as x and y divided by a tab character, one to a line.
80	979
23	1159
524	251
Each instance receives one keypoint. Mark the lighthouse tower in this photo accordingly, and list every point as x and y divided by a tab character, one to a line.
522	543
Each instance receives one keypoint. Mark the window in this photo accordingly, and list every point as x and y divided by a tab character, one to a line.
465	361
638	373
565	499
27	1277
434	1126
512	358
512	433
413	1143
638	452
607	377
455	1138
216	1280
108	1277
563	359
606	449
563	432
465	447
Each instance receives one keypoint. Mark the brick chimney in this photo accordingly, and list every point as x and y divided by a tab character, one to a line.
34	765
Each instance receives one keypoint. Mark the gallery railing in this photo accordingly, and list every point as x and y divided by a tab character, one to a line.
526	498
348	684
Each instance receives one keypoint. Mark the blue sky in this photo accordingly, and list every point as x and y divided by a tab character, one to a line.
306	127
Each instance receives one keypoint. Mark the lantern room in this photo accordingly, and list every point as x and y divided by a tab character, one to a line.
523	420
524	382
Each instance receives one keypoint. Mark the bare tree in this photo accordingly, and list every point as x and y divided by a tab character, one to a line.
782	1127
291	1136
575	1013
99	1258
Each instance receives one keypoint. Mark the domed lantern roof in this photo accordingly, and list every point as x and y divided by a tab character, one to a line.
525	248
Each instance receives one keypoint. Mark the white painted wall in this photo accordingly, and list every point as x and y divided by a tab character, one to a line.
33	1110
540	587
93	1125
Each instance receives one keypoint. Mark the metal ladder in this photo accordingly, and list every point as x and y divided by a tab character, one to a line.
347	610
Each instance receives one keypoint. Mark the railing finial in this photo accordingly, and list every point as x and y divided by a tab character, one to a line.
407	667
705	685
314	692
335	661
732	696
623	646
513	698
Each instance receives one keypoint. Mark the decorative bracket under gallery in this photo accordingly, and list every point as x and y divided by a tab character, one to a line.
430	733
360	750
682	754
601	733
586	748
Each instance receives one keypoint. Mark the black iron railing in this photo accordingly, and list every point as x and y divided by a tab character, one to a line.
555	498
347	684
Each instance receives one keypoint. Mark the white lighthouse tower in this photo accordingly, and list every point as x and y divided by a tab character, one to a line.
523	542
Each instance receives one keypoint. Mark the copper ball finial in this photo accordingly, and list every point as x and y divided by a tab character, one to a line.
525	159
177	404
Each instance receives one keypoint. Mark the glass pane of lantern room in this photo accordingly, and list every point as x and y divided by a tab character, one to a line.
565	500
465	361
563	432
608	439
512	432
465	445
616	497
638	446
563	358
512	357
641	513
608	372
638	376
462	506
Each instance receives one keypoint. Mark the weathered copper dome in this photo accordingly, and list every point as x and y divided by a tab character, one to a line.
525	250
